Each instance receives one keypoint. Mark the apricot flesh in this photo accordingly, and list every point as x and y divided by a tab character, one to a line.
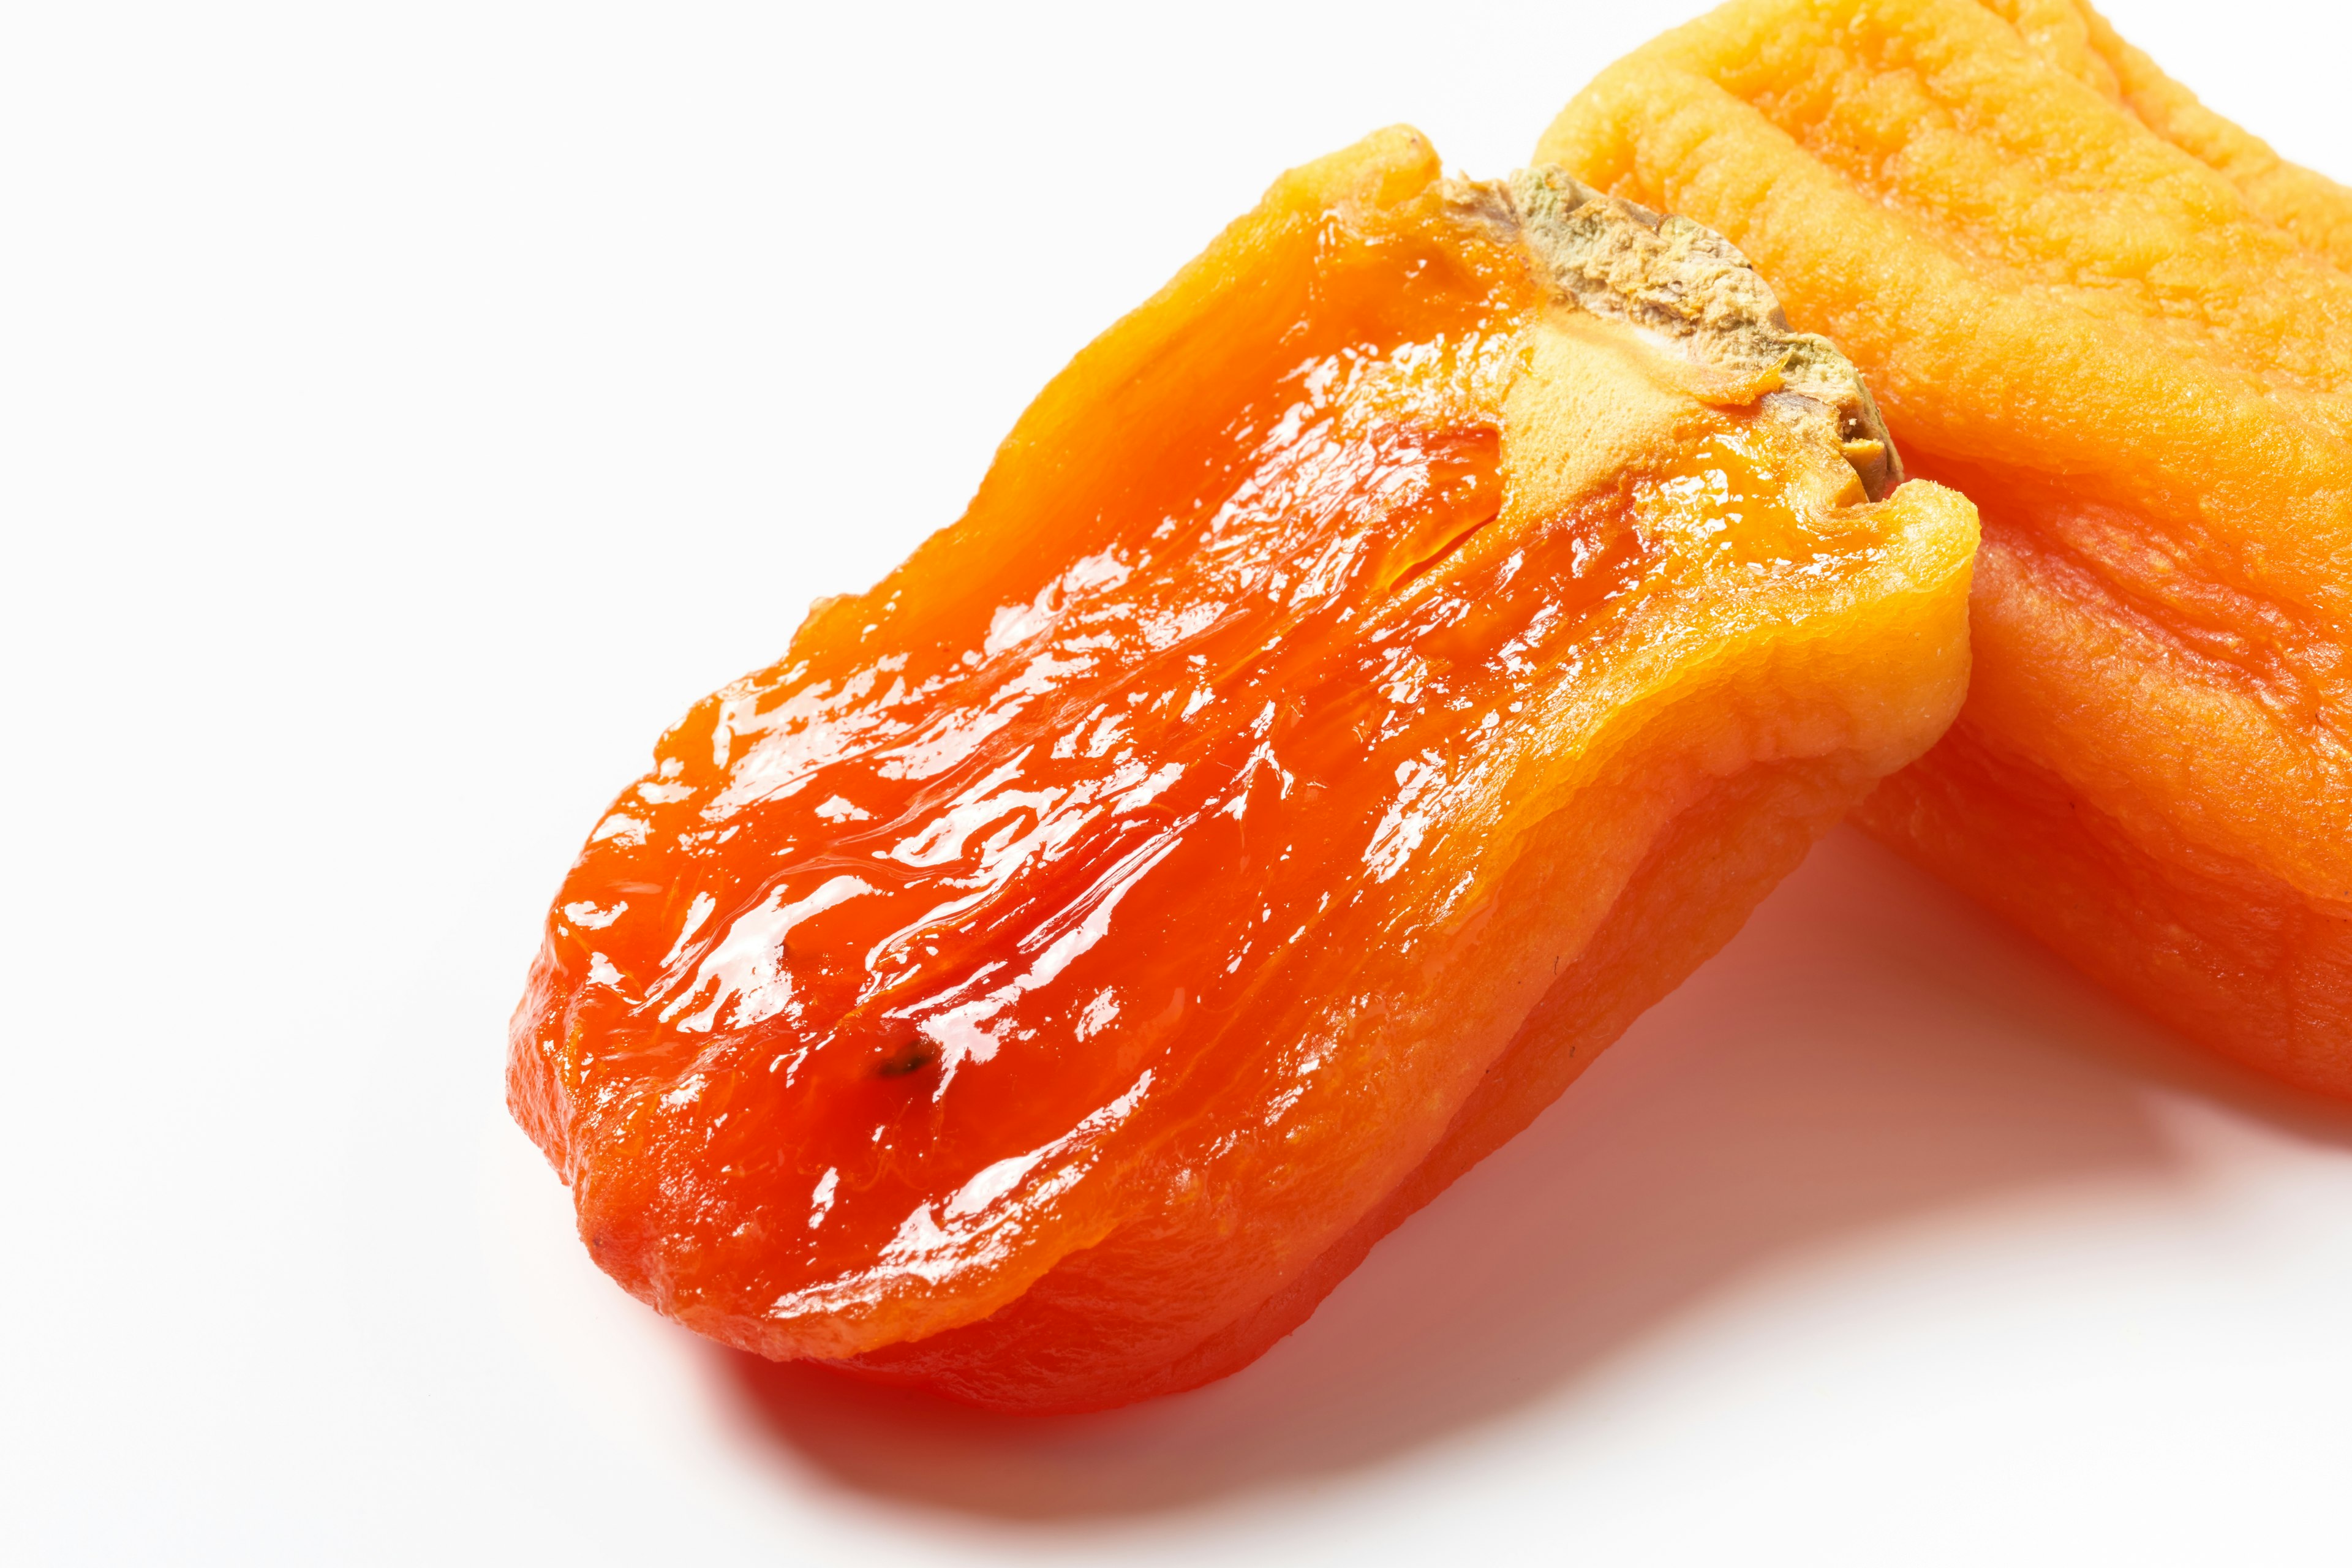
1365	681
2124	327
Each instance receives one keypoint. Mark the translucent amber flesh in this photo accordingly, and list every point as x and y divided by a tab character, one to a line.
1134	850
2124	328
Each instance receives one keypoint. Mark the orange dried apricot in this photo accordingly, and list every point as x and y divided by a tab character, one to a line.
1369	676
2124	327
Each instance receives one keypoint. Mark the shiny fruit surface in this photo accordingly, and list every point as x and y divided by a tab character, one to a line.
1363	681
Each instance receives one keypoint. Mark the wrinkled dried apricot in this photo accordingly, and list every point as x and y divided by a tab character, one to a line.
2124	327
1370	674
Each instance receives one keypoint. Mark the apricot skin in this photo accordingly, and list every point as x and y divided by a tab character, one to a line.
2122	327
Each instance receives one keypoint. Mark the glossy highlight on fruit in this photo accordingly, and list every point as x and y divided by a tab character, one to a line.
2124	327
1369	676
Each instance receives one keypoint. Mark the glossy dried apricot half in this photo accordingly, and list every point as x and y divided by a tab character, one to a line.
1370	674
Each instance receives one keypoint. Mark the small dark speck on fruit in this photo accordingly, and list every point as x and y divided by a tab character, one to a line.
912	1057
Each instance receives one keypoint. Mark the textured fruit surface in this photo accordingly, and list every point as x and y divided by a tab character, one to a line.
1365	678
2124	328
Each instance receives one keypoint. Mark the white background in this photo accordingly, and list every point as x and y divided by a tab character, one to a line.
406	411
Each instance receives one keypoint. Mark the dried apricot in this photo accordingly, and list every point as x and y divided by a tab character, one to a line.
2124	327
1370	674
